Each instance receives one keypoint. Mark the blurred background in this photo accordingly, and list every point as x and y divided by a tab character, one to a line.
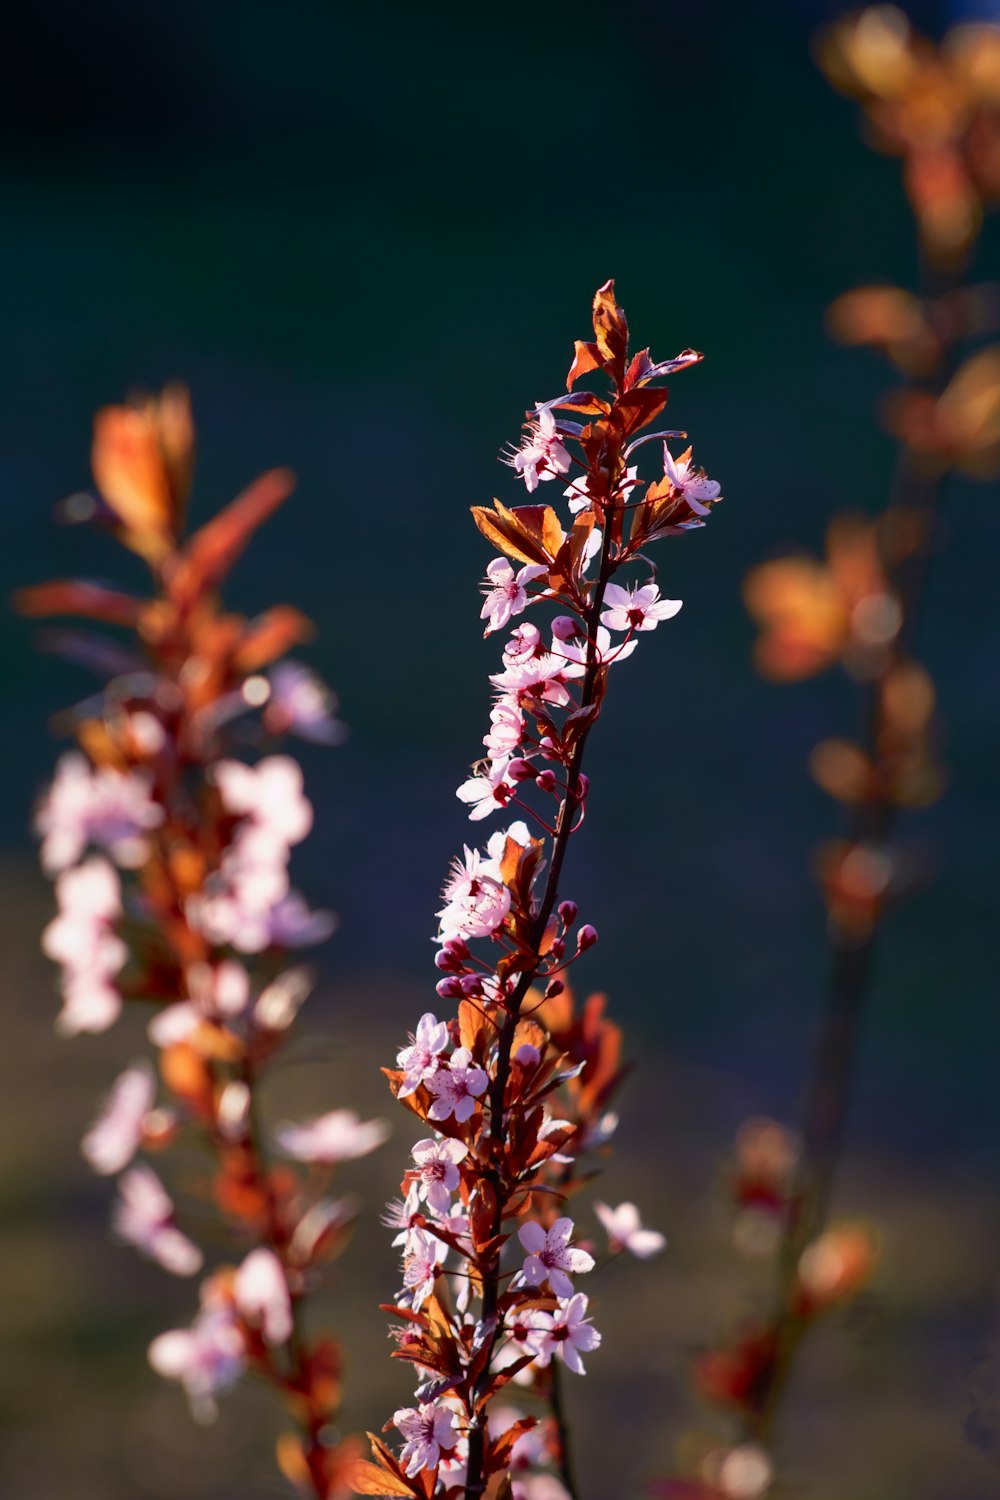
366	236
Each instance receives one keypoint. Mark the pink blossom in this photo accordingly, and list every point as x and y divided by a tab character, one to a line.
420	1060
522	643
144	1217
625	1231
550	1256
453	1470
219	993
83	940
334	1137
575	652
250	908
689	481
90	1002
566	1332
537	677
86	805
293	924
542	454
429	1430
300	703
506	592
477	903
600	1132
487	791
636	608
506	727
456	1086
115	1136
280	1001
269	794
421	1266
439	1176
205	1358
578	493
400	1213
262	1298
538	1487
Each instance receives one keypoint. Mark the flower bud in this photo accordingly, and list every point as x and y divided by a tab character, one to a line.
449	989
836	1266
521	770
557	950
553	988
471	984
546	781
568	911
564	628
527	1056
586	938
451	955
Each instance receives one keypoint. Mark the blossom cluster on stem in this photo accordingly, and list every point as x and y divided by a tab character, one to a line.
170	854
512	1080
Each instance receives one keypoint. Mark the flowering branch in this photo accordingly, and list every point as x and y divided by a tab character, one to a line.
940	110
488	1082
170	860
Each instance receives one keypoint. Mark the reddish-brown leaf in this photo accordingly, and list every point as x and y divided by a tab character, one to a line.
586	357
211	552
270	636
638	408
482	1213
638	367
498	1453
74	596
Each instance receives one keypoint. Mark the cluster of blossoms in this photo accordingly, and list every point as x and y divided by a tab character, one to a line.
512	1090
170	859
936	107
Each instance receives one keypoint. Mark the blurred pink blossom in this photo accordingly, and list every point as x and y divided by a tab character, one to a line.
337	1136
262	1297
144	1217
115	1136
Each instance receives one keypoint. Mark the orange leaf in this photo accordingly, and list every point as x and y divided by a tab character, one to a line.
130	473
586	357
211	552
292	1461
270	636
610	327
529	533
366	1478
494	533
470	1026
